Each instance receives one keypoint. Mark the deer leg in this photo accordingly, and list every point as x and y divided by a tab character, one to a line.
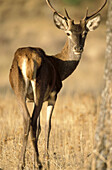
26	124
50	108
35	131
35	120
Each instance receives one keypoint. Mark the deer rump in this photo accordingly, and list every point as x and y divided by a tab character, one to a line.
30	63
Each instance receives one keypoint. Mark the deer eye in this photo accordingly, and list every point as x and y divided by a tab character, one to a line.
68	34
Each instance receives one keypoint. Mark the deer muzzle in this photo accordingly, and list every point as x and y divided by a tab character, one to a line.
77	49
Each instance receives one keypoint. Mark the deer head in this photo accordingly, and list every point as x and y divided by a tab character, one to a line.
77	32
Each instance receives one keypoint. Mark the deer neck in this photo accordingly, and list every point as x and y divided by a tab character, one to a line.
67	61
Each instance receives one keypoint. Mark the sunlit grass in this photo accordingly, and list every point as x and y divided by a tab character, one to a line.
72	135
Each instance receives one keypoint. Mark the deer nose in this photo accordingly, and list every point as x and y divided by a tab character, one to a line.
78	48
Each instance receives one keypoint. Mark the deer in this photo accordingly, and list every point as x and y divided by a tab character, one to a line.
37	77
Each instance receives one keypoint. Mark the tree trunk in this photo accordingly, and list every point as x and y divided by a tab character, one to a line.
103	137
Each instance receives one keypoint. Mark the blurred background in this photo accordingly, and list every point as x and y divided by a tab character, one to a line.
30	23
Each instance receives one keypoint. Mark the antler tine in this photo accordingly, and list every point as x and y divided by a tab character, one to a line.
87	17
86	13
52	8
67	15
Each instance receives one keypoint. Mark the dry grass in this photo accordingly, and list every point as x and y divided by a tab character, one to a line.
72	135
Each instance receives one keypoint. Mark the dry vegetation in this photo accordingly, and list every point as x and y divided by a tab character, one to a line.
75	115
72	136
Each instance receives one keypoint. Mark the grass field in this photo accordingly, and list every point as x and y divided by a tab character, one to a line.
72	135
75	116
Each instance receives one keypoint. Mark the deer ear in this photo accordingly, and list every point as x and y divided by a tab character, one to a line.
93	23
60	22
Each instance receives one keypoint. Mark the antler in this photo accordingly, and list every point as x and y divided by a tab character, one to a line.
88	17
52	8
67	15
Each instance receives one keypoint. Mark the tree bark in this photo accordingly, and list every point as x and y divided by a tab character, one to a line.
103	138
